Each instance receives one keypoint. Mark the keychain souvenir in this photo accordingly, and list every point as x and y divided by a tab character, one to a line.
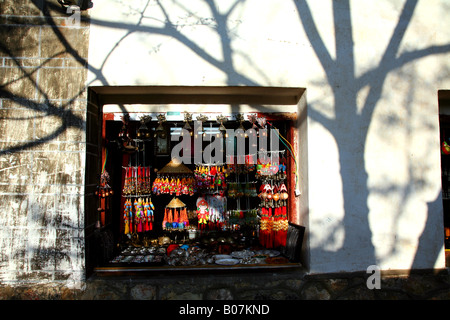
265	229
126	217
136	217
148	214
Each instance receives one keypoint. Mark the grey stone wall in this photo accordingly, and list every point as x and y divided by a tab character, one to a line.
42	142
265	286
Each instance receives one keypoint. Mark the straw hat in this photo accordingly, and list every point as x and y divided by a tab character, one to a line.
175	166
175	203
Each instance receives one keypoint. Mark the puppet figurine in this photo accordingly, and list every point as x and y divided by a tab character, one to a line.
202	213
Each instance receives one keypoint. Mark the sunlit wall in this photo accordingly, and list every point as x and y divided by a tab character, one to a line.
371	70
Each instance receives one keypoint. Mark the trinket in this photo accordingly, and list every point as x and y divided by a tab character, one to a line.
175	215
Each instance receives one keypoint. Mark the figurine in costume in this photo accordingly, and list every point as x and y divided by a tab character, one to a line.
202	212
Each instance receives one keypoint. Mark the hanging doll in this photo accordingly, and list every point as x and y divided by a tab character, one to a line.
165	186
156	188
178	187
184	186
202	213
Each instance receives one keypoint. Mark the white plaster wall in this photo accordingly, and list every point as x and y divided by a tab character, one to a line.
372	70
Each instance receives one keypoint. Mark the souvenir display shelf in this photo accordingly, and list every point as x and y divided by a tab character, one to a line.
202	216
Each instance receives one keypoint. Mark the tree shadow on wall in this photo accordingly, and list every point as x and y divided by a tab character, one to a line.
349	117
349	120
44	106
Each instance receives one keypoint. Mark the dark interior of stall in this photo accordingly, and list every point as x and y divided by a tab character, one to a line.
445	173
157	212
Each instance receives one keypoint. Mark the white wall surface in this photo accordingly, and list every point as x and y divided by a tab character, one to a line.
371	69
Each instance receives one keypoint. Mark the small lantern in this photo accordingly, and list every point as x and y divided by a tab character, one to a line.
160	131
143	132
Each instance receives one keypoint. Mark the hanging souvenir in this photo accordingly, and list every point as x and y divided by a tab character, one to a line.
148	216
235	218
177	186
239	218
283	193
202	213
250	162
265	228
124	135
231	164
250	189
133	180
445	148
184	220
137	181
235	190
282	168
139	210
188	186
127	216
168	219
126	186
217	207
274	221
280	222
103	189
156	187
147	181
251	218
175	215
174	179
210	178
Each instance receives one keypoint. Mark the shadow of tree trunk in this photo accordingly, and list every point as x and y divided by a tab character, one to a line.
350	126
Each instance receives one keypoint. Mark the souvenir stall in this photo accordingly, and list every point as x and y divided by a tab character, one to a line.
232	212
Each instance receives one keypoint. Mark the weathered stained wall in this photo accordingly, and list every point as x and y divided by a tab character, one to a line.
42	143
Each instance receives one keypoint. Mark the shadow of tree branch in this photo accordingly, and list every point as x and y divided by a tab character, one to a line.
352	163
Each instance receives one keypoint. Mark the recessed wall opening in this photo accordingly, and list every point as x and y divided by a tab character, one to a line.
194	178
